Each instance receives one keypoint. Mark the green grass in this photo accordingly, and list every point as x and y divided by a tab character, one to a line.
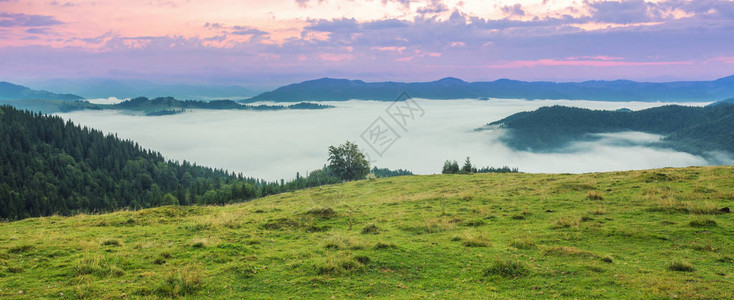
652	234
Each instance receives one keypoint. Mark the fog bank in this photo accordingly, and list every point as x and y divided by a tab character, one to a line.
277	144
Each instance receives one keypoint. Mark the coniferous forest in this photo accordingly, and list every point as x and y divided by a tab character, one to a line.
51	166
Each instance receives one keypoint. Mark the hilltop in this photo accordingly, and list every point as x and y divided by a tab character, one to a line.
9	91
697	130
330	89
639	234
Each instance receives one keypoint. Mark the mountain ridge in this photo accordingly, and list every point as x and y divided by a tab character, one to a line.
338	89
11	91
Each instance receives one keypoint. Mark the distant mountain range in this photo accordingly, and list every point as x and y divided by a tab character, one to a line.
122	89
9	91
329	89
706	131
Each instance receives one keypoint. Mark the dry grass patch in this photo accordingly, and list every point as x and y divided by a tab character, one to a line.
567	222
594	195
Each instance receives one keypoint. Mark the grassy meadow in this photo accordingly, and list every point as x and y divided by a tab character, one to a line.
637	234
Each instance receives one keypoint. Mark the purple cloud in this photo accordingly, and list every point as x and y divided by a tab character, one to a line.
24	20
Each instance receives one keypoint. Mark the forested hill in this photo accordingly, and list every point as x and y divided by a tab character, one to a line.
329	89
48	166
9	91
696	130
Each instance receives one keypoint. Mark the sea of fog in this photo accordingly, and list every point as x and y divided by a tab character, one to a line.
277	144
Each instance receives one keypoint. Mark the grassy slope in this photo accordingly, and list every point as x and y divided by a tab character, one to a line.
438	236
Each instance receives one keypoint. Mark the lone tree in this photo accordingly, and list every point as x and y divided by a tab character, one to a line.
347	162
467	168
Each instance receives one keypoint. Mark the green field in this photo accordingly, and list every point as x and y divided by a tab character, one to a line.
639	234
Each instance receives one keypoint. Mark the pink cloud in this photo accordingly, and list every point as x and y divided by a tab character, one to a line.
589	63
335	57
389	49
726	59
598	57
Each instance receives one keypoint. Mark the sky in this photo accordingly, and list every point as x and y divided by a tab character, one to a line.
277	149
269	43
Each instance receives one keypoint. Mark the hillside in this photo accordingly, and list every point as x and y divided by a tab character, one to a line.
328	89
697	130
49	166
620	235
172	105
9	91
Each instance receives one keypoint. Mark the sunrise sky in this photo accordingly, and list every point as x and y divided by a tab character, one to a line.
268	43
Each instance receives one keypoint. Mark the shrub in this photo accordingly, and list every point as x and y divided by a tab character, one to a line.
680	266
371	229
322	213
381	245
507	268
702	223
362	259
112	242
474	223
607	259
20	249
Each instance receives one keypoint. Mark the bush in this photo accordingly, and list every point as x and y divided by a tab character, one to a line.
507	268
702	223
381	245
371	229
15	269
474	223
20	249
681	267
362	259
322	213
112	242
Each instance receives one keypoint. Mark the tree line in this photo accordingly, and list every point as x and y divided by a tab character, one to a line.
452	167
51	166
